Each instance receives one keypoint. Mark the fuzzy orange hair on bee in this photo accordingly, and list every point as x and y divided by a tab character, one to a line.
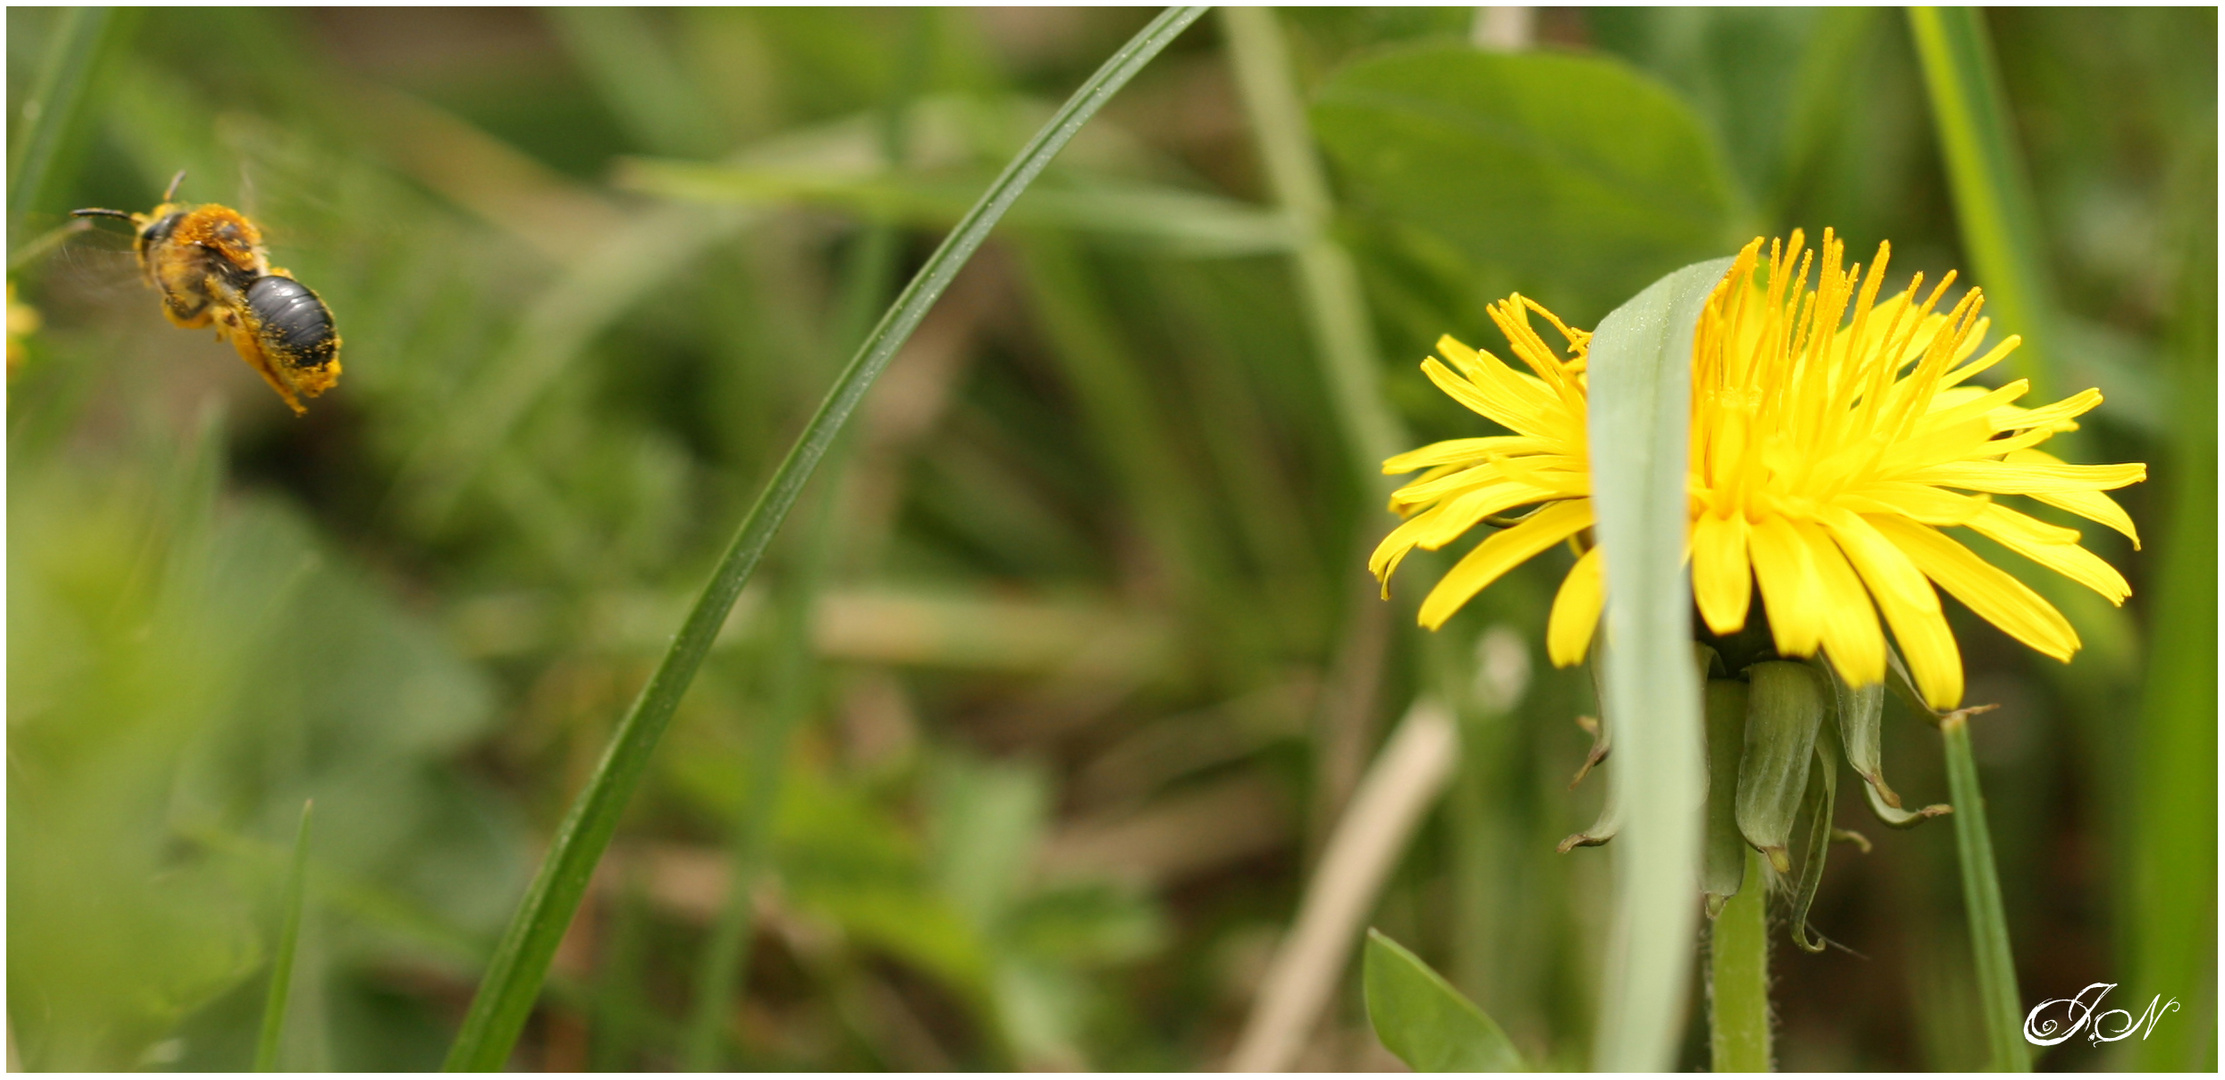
209	264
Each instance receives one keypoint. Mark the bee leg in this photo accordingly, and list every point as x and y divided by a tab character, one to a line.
250	350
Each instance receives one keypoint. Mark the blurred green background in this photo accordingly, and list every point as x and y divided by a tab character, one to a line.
1024	740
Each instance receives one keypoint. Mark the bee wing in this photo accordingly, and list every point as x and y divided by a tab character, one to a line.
90	266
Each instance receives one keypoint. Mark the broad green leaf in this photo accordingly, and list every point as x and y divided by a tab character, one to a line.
1428	1024
1640	416
1572	170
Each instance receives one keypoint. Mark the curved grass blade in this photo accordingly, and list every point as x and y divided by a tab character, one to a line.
52	110
513	979
1641	392
282	965
1428	1024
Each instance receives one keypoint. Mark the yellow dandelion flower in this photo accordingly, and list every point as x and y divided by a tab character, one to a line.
1834	435
23	321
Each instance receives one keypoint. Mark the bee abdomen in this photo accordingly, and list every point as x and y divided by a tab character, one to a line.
296	326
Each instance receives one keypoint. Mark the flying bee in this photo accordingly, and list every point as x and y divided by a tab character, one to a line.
209	264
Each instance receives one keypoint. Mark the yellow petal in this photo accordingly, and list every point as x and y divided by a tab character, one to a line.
2091	505
1788	585
1492	400
1576	611
1458	515
2061	412
1910	606
1501	552
2028	478
1884	569
1462	452
1963	404
1987	589
1995	356
1721	581
1395	547
1851	636
2043	543
1495	471
1919	502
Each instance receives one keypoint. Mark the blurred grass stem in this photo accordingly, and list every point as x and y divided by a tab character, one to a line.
1999	1006
725	961
2171	893
1392	799
1329	285
513	978
1993	195
282	963
50	113
1738	978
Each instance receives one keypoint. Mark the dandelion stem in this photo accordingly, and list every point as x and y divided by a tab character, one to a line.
1981	899
1738	978
513	978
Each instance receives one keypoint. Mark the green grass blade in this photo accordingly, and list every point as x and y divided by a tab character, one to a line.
1428	1024
52	110
513	979
1999	1005
282	964
1641	391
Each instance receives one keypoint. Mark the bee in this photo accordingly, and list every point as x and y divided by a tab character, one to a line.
209	264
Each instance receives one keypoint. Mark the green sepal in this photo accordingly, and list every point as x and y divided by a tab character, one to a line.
1822	794
1725	865
1610	812
1785	706
1601	831
1896	818
1904	687
1860	713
